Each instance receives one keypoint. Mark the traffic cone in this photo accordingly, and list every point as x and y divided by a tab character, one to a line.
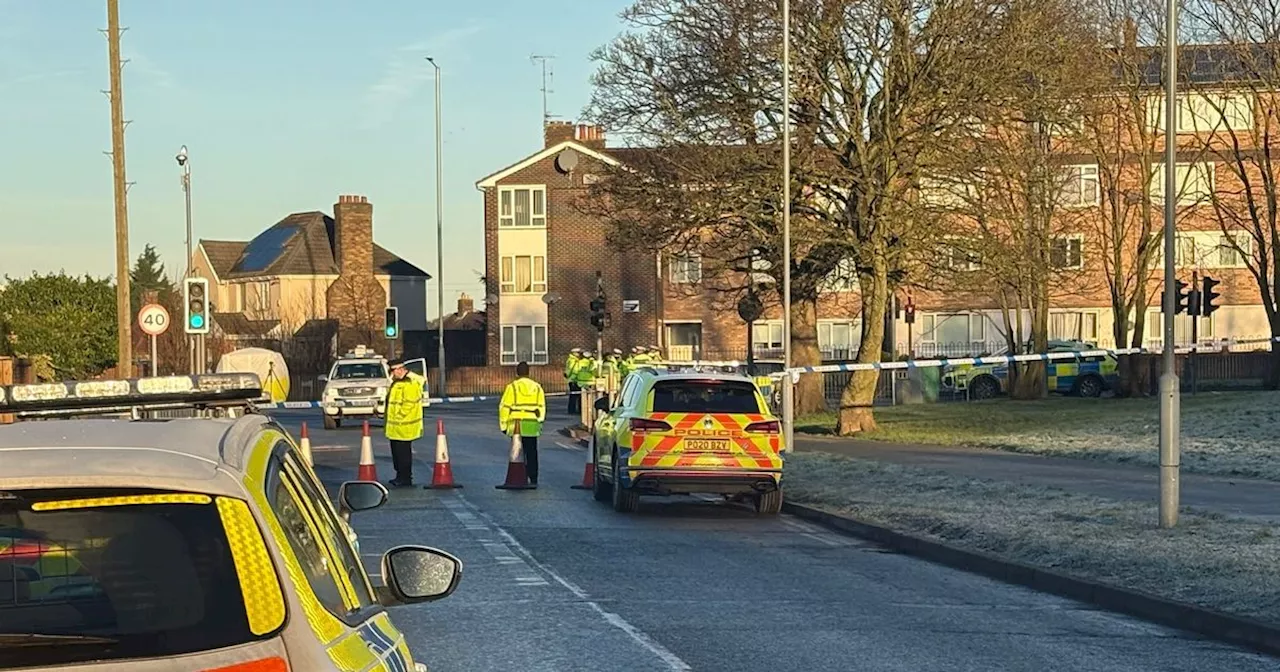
368	470
304	443
442	474
517	477
588	473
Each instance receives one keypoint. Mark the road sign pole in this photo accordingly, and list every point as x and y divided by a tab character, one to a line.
154	362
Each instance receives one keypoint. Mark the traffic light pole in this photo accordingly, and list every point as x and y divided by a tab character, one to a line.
1169	411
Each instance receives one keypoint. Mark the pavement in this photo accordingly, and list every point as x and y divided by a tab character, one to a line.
1242	497
554	580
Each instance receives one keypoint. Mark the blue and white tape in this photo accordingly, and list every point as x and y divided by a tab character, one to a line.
433	400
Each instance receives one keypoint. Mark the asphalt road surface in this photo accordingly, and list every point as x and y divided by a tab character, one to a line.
554	580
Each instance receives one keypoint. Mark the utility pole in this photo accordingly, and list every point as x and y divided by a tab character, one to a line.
124	325
546	114
788	388
444	393
1170	421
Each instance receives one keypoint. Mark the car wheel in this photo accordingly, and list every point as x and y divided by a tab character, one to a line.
1089	386
625	500
770	503
330	422
599	487
983	387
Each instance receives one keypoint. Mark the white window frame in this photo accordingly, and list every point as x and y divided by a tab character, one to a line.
1079	173
973	258
769	327
977	327
1084	315
827	347
685	268
1240	257
1154	331
507	336
1184	198
507	275
1199	112
507	216
1079	238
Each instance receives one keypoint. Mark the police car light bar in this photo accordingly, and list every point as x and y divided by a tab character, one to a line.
88	395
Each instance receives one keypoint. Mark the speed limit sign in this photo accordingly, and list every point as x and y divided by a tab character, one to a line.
154	319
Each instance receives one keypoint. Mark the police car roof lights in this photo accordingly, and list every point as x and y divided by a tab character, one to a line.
88	396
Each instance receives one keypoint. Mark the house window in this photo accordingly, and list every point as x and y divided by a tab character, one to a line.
843	279
1073	326
839	339
941	193
767	336
1194	182
524	343
1154	329
1234	250
524	275
522	207
959	256
953	334
1205	113
686	268
1067	252
1080	186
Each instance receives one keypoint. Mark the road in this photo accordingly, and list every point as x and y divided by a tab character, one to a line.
1235	496
556	581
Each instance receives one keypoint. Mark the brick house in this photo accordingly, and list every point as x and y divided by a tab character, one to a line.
311	276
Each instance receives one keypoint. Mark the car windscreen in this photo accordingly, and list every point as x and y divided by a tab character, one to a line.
705	396
365	370
81	582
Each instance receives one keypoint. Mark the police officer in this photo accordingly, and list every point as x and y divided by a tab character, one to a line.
521	411
609	371
570	369
585	373
404	419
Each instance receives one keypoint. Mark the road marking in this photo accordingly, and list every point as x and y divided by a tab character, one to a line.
672	661
817	534
569	447
501	553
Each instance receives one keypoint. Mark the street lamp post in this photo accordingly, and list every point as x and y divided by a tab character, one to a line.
195	344
1169	411
788	388
439	235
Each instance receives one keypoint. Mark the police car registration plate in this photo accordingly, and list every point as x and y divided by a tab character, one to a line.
706	445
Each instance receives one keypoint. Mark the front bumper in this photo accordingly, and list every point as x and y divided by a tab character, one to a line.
342	407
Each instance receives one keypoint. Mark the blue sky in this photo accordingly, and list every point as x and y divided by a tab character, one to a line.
283	105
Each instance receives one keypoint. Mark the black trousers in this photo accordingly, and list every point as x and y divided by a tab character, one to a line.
529	444
575	399
402	460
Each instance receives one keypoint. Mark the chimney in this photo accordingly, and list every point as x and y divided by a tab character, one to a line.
353	235
556	132
465	304
590	135
1130	35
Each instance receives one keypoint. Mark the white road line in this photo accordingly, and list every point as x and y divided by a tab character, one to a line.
814	532
570	447
672	661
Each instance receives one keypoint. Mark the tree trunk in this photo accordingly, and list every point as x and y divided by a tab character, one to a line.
1031	382
1135	370
858	398
1273	375
809	392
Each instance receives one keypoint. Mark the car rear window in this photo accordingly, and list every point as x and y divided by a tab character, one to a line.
705	396
132	581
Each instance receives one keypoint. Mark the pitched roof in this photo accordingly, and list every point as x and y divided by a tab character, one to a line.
236	324
471	320
492	180
300	244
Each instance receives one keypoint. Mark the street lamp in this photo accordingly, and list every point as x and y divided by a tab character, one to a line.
195	346
788	388
1169	411
439	235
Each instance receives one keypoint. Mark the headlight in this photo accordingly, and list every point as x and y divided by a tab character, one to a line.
382	391
330	393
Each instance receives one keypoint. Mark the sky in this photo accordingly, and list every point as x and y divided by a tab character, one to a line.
283	105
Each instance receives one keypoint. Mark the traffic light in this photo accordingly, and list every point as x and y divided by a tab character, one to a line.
1208	295
391	323
1183	298
195	298
597	313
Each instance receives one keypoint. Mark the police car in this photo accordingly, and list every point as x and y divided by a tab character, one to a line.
686	432
357	386
1083	376
193	544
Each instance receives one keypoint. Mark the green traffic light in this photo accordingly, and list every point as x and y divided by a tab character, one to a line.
391	331
197	321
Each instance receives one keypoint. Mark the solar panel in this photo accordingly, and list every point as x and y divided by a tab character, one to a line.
266	248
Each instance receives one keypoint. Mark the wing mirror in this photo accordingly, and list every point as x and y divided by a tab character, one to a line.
322	378
416	574
360	496
602	404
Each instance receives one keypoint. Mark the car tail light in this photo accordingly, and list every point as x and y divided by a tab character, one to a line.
766	427
646	425
273	664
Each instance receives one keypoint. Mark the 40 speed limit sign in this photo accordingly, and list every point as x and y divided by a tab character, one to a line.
153	319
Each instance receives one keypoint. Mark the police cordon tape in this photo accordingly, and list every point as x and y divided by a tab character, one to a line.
434	400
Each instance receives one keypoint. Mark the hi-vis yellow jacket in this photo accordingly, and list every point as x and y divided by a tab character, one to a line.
404	408
523	408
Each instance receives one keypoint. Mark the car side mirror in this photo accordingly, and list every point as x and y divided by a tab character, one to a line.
322	378
602	404
360	496
416	574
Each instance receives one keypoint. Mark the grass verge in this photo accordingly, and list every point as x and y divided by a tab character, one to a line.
1224	433
1209	560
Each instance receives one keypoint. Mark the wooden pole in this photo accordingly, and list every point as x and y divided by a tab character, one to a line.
124	345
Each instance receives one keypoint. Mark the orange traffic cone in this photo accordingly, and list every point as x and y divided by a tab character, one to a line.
588	473
304	443
517	477
442	474
368	470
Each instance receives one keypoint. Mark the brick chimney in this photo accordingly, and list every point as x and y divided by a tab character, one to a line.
465	304
1130	34
356	299
556	132
590	135
353	234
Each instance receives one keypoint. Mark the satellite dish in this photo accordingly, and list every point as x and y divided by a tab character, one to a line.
550	298
566	161
491	299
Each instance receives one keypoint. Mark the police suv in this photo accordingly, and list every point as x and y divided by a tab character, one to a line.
356	386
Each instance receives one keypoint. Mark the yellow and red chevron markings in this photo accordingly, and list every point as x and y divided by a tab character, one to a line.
743	450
